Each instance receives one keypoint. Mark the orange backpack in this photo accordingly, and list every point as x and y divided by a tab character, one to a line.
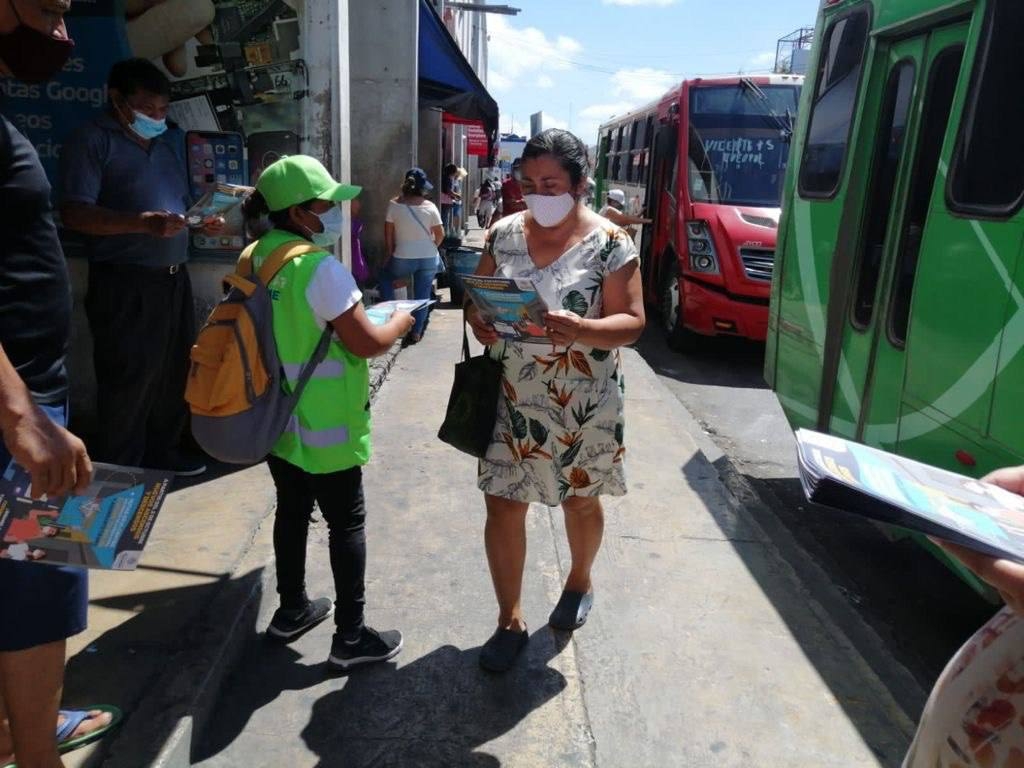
239	408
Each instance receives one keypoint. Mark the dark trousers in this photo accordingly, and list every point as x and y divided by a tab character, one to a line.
340	496
143	326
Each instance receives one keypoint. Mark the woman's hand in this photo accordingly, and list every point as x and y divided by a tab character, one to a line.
563	327
482	330
1006	576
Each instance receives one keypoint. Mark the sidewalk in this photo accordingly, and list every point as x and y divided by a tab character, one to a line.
703	648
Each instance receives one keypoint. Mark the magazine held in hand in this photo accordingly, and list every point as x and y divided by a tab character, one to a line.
106	527
513	305
892	489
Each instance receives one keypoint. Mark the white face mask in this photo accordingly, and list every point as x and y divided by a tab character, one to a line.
550	210
334	225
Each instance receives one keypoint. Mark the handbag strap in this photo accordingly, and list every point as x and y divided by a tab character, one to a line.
465	339
419	221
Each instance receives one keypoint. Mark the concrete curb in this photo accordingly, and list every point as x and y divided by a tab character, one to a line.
826	600
162	730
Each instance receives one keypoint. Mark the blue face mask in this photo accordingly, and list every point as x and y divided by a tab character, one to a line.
333	223
146	127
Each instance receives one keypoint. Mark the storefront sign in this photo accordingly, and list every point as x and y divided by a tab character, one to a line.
476	140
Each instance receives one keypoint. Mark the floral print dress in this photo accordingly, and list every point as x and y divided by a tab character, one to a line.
559	430
974	717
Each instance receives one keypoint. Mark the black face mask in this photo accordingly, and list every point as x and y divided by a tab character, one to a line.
31	55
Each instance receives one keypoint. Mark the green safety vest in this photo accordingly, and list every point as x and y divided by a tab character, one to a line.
330	429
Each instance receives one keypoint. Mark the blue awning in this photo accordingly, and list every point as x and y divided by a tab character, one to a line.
447	81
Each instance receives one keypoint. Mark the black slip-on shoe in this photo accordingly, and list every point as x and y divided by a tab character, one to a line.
572	610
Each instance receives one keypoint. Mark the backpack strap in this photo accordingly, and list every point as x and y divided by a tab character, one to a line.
275	261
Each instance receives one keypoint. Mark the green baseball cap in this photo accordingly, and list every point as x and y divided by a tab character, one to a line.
296	179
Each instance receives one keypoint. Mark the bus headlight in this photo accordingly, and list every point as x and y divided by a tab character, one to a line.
702	249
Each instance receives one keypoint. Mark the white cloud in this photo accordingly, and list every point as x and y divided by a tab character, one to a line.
544	81
763	62
513	52
642	84
640	2
604	111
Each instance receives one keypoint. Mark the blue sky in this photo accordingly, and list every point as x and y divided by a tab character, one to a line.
581	61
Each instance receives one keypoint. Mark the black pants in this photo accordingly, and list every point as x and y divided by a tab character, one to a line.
143	326
340	496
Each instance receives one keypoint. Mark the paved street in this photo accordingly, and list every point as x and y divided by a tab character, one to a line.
704	649
731	627
919	609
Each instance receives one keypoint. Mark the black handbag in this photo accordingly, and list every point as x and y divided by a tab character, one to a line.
473	403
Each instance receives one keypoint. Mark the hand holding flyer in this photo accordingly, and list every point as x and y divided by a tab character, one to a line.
892	489
216	202
107	526
382	311
512	305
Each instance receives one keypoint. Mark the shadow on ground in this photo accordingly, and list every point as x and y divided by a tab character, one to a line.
435	711
148	665
723	361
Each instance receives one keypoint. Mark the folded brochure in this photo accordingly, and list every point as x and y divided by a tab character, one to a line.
892	489
513	305
382	311
216	201
106	527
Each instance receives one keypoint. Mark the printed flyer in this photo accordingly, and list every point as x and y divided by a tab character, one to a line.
892	489
513	305
106	527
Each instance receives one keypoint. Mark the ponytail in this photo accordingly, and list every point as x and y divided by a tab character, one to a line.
412	187
259	219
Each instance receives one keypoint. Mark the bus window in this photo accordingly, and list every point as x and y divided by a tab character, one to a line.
739	142
701	173
938	101
832	111
892	127
988	174
634	136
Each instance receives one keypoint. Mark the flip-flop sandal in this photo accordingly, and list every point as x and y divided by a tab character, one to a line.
75	717
572	610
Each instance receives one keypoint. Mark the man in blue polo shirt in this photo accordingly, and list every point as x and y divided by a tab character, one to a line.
125	187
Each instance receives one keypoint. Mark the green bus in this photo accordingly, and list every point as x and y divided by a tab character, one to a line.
897	306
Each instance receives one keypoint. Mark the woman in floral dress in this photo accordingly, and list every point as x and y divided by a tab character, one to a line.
559	432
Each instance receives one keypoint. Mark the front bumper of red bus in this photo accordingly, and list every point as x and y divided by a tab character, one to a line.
711	310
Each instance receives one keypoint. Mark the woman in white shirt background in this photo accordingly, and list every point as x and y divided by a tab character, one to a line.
412	232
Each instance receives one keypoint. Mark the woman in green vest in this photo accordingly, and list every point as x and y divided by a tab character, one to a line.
320	455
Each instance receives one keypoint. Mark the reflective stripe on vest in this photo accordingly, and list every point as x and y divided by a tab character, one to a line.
328	369
317	438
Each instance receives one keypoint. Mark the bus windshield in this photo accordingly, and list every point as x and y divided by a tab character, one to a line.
739	142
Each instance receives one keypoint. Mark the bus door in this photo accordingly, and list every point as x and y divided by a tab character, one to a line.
903	156
661	202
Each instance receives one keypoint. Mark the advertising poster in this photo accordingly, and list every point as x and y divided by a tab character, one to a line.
239	84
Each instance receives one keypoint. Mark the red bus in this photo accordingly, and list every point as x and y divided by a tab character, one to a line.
706	162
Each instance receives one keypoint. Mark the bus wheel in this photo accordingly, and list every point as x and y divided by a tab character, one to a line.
677	335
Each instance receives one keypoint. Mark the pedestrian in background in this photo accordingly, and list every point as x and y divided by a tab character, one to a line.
320	456
42	605
450	195
483	204
511	192
559	432
125	186
614	211
412	231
